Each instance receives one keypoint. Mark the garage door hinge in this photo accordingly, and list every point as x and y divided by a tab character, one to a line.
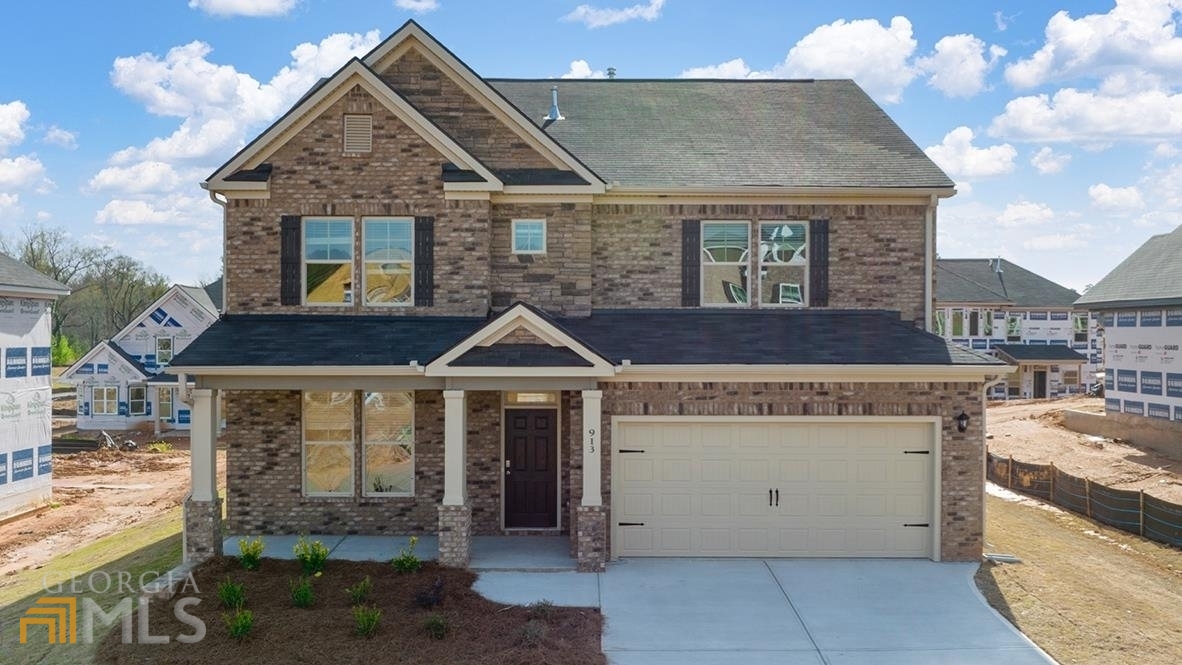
917	452
629	523
626	450
925	525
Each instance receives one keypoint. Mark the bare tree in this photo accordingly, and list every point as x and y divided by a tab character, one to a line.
55	254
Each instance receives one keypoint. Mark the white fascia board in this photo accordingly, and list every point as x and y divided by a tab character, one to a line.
521	372
592	188
809	373
32	292
412	34
768	195
353	73
297	370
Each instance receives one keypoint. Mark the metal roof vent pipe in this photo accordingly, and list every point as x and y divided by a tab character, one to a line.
611	72
554	114
997	267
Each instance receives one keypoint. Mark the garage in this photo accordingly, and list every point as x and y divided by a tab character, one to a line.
774	487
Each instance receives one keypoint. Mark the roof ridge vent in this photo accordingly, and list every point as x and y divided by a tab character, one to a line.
554	113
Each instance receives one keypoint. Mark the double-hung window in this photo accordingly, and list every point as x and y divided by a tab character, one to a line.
725	259
529	236
783	263
388	273
163	351
164	402
104	401
328	261
958	323
328	443
137	400
388	457
1079	326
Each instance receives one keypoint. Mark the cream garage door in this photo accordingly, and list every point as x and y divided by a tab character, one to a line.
773	488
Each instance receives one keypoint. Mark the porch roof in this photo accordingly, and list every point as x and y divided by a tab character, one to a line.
1039	353
643	337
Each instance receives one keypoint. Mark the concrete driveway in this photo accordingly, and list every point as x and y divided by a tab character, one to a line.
834	612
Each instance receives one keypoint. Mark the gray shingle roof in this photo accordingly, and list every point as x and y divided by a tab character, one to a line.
690	337
1150	276
723	133
16	276
201	296
978	281
214	291
1040	352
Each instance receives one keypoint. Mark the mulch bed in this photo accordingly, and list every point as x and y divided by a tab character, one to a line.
480	631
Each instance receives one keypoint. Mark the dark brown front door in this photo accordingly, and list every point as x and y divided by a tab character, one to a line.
1040	384
531	471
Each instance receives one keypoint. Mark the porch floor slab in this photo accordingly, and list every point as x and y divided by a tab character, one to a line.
532	553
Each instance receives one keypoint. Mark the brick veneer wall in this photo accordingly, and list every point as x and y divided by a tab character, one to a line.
401	177
875	252
961	512
458	114
560	279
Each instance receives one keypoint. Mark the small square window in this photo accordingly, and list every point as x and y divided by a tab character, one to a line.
529	236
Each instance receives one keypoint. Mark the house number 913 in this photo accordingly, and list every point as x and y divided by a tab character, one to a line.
591	441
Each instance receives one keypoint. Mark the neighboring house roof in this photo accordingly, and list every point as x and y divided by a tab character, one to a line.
214	291
1150	276
650	337
194	293
201	296
727	133
91	356
980	281
19	279
1059	353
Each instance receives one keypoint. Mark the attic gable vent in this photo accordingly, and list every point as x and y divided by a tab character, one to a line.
358	133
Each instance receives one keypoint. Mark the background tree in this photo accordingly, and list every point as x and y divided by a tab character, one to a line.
53	253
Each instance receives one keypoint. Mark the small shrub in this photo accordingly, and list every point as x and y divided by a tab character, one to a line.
301	592
312	555
540	610
158	447
232	594
251	553
365	619
533	633
240	623
437	626
406	561
359	593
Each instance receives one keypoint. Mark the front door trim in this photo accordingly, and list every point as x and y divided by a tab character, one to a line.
505	408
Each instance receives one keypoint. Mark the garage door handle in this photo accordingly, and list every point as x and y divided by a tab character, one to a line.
777	497
629	523
625	450
917	452
769	497
923	525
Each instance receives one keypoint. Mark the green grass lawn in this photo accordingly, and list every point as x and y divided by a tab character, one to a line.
151	547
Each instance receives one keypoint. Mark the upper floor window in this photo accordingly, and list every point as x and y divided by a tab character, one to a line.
783	263
1014	328
388	272
725	254
958	323
328	261
163	350
1079	324
529	236
358	133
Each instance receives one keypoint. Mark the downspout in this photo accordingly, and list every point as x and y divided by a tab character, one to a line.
213	196
929	249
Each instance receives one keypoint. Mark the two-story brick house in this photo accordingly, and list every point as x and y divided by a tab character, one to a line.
674	318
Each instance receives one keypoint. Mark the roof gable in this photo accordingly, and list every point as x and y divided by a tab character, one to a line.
1150	276
19	279
177	295
105	360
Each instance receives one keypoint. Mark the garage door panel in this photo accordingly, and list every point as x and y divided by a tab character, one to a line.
845	489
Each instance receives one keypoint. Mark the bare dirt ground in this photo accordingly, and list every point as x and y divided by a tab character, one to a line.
1032	431
96	494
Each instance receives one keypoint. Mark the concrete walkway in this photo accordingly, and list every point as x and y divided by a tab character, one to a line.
833	612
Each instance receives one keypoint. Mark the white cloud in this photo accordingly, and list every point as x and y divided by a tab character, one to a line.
1165	150
8	201
193	212
1025	213
417	6
731	69
141	177
1115	199
43	216
1047	161
875	56
957	155
958	66
580	69
1083	116
64	139
1054	242
1141	33
21	172
1002	21
244	7
12	119
594	17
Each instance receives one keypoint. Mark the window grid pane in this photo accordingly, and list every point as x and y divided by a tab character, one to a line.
529	236
328	442
388	438
783	263
388	272
724	263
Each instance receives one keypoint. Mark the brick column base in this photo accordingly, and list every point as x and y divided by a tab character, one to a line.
202	538
455	535
592	538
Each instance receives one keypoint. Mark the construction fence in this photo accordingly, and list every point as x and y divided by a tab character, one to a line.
1128	510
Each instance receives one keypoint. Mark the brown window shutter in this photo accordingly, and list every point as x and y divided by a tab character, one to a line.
691	263
424	261
290	258
819	263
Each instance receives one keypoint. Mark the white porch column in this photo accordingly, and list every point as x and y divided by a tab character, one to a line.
203	445
592	447
455	435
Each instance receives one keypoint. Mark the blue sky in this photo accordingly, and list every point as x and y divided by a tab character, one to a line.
1062	125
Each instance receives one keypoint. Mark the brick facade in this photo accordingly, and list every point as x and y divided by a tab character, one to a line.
560	279
202	537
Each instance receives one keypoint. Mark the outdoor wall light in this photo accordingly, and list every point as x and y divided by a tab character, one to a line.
962	421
